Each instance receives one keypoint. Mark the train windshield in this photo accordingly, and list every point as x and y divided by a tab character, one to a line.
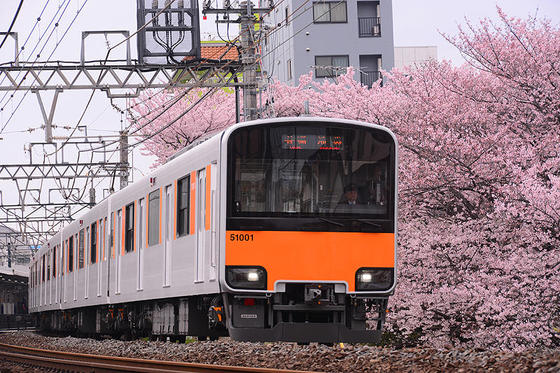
310	170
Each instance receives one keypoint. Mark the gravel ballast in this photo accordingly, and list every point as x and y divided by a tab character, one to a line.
313	357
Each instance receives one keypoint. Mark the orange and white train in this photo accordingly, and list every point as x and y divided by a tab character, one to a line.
272	230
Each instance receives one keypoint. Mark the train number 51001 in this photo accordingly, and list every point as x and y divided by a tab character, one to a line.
240	237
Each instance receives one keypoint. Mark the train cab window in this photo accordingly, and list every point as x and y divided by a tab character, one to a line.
81	250
153	218
129	228
93	243
183	205
308	170
71	254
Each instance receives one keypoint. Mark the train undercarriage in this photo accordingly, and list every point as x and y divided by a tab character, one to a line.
301	313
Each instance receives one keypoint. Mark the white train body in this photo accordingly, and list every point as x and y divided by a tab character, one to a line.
152	257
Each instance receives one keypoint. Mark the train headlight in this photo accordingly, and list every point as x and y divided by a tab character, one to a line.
244	277
376	279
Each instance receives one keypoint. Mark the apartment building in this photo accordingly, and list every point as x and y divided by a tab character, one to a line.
327	37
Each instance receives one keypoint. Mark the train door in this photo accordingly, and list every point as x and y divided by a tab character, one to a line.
200	224
118	253
49	280
100	231
167	232
213	211
141	229
110	251
61	277
87	257
75	263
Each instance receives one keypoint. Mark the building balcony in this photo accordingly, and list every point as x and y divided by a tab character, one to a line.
369	27
368	77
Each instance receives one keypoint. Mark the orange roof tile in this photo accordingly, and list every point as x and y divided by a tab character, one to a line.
216	52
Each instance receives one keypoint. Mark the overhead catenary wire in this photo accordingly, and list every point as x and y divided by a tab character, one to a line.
91	97
169	3
175	99
12	24
41	36
22	48
54	49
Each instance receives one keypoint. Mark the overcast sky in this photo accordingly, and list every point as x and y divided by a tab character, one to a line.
416	23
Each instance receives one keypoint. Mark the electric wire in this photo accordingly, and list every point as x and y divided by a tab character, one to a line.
91	97
54	49
12	24
209	92
22	48
42	35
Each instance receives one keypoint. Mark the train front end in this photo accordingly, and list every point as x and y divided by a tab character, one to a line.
310	223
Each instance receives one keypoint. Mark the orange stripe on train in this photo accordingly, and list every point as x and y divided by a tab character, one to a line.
310	256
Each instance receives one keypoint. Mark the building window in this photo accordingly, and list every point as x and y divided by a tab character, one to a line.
289	69
81	250
330	66
330	12
93	243
183	205
71	254
129	226
153	218
369	26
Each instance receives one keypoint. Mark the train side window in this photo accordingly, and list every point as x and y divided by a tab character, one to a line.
183	205
81	250
153	218
43	268
129	228
71	254
93	243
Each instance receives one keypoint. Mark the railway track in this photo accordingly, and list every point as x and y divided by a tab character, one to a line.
77	362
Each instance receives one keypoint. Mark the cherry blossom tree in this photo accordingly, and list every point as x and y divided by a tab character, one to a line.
479	179
154	110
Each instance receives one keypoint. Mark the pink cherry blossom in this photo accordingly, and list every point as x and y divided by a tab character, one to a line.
479	179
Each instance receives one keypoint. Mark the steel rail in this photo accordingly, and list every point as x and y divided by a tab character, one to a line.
101	363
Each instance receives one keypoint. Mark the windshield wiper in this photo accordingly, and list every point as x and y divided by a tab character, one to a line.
331	222
376	225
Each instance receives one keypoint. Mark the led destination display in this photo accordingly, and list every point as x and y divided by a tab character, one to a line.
312	142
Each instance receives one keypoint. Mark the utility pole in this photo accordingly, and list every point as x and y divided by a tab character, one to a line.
248	61
123	150
248	48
